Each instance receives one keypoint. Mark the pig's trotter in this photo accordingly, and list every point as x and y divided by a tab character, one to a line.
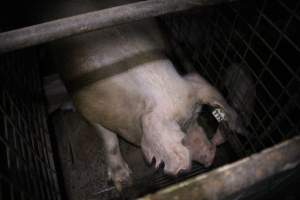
120	175
118	170
162	140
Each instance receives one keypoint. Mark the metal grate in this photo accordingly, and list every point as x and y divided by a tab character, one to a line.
27	168
261	37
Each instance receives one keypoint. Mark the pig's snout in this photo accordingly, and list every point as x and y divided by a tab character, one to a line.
201	149
206	158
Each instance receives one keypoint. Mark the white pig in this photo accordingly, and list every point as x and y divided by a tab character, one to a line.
124	85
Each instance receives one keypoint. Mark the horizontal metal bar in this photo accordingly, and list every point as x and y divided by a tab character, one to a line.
228	180
53	30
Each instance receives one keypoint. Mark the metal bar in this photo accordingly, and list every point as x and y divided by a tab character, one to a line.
227	180
257	77
57	29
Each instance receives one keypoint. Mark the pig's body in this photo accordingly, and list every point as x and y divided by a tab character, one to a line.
125	98
123	84
119	77
120	69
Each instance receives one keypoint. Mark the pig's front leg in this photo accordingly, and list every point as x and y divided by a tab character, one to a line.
162	140
118	170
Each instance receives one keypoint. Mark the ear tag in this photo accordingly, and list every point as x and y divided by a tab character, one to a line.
219	114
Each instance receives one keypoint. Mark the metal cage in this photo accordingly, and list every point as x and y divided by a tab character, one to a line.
261	37
26	158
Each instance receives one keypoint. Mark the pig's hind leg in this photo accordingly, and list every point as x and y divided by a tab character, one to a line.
118	170
162	140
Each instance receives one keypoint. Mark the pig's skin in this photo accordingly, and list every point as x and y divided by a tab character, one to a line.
123	84
200	148
147	106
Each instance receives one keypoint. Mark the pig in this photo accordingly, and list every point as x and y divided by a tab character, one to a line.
241	93
124	85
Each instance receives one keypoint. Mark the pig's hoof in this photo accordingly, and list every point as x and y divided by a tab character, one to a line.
120	175
174	155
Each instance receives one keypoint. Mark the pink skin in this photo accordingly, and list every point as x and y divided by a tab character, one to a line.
218	138
123	83
201	149
199	146
162	141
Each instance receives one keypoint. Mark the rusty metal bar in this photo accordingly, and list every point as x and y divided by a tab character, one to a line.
230	179
53	30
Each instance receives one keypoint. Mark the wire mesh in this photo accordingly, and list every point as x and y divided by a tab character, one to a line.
27	166
260	37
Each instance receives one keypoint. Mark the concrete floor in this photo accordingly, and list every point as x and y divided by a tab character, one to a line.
82	157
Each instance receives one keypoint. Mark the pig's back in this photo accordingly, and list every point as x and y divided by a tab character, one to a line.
107	49
87	52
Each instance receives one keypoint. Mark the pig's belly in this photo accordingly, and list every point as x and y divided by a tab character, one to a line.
117	72
119	102
112	106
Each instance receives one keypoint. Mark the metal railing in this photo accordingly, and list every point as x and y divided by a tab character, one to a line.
61	28
27	165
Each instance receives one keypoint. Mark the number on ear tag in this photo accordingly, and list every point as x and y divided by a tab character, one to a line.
219	114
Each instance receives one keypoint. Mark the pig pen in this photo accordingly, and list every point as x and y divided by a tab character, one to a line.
59	156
